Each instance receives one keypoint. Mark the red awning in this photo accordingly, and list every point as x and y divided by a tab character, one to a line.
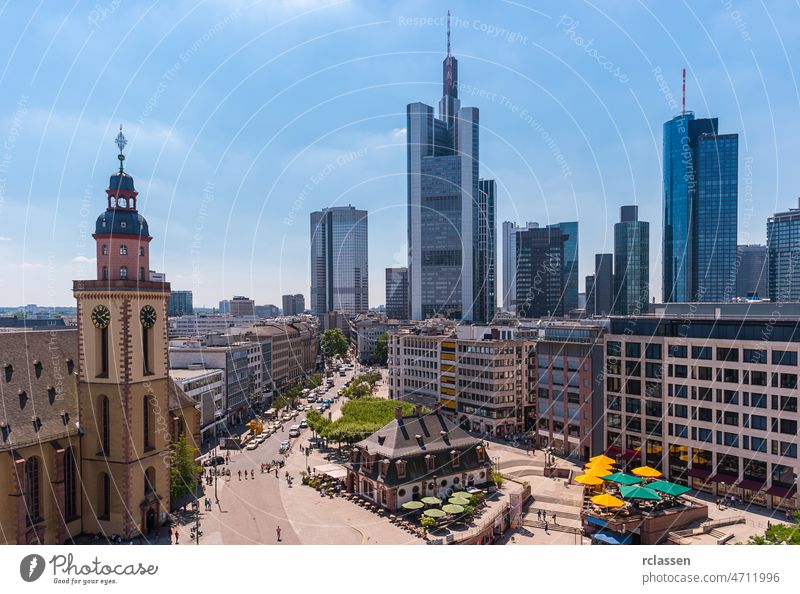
784	492
630	454
751	485
613	451
699	473
728	479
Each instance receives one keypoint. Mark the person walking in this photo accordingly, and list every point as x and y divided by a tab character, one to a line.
554	518
240	475
278	533
252	474
276	472
176	536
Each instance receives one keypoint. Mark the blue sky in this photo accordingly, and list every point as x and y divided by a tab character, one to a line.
244	117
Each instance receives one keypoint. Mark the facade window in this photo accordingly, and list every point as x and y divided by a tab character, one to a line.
141	251
701	353
104	416
123	272
104	497
70	486
147	421
33	490
149	481
784	358
105	250
141	273
123	250
653	351
105	272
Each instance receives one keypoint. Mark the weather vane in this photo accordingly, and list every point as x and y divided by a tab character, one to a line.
121	142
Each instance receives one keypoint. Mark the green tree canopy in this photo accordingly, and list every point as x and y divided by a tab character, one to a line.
780	534
317	421
183	470
333	343
382	349
314	381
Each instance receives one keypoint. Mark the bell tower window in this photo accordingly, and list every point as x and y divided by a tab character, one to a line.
123	272
141	273
123	250
141	251
104	420
105	272
105	250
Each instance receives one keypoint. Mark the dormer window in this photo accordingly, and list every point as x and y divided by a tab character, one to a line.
455	459
123	250
8	371
401	466
430	462
481	454
37	368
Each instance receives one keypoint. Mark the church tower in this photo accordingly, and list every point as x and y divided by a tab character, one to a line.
123	373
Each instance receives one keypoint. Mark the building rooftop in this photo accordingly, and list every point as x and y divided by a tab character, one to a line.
187	374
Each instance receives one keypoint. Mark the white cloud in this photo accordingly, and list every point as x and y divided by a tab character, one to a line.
84	260
32	265
3	238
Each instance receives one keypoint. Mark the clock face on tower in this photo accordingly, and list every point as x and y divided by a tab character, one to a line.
101	316
147	316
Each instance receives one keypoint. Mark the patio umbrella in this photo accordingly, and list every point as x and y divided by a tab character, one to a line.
431	501
637	492
668	488
646	472
452	508
412	505
598	472
587	479
602	458
606	500
623	479
459	500
434	513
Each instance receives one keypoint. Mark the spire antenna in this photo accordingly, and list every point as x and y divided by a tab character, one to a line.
683	112
448	32
120	141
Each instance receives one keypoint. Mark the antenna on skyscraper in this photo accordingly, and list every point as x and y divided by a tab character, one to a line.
448	32
683	110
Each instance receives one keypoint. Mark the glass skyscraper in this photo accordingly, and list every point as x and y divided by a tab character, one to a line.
447	274
700	210
631	263
783	255
339	261
570	298
540	272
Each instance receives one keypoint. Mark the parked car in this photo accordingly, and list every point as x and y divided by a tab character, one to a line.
252	445
312	398
214	461
303	424
294	431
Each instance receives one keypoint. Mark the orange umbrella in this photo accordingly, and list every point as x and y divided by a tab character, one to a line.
646	472
606	500
600	471
588	479
602	458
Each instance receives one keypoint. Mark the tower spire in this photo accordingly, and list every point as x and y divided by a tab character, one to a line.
120	141
448	32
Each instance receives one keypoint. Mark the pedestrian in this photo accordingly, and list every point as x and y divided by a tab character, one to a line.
278	532
554	518
240	475
539	515
176	536
252	474
545	527
276	472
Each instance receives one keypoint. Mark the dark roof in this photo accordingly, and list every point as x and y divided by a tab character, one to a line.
118	221
37	386
33	324
398	439
121	181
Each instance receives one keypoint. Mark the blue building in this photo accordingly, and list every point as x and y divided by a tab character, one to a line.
700	210
783	255
570	298
631	263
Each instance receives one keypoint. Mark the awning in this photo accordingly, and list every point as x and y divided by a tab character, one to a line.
630	454
728	479
699	473
751	485
784	492
612	538
332	470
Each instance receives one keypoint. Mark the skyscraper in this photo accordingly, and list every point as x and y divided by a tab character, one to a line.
510	262
700	210
589	292
570	229
397	293
603	287
486	299
446	272
339	261
752	275
293	304
631	263
783	253
180	303
540	272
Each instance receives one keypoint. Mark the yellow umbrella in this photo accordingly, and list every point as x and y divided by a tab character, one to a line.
588	479
646	472
598	465
602	458
606	500
599	471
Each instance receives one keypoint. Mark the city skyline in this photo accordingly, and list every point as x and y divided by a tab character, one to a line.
582	161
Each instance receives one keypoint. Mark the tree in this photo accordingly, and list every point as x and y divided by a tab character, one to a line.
317	421
780	534
183	470
382	349
314	381
333	343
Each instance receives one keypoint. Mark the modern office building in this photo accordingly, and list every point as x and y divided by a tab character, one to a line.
339	261
205	387
700	210
397	293
752	275
603	286
486	297
242	307
224	306
589	296
180	303
783	253
268	311
366	330
631	263
571	256
540	272
446	273
703	393
510	262
293	304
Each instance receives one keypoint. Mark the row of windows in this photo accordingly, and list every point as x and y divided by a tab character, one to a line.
123	250
633	350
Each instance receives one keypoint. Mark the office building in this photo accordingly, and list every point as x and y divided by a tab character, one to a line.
631	263
242	307
540	272
397	293
589	296
268	311
366	330
603	287
205	387
752	276
293	305
510	262
447	276
339	261
224	306
180	303
700	210
783	253
571	256
486	294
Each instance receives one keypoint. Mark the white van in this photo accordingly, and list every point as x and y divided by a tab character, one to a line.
294	431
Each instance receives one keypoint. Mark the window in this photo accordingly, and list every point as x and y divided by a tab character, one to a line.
704	435
613	348
633	387
104	413
613	384
681	371
123	250
105	250
679	351
633	405
730	418
784	358
701	353
141	273
633	350
652	351
123	272
104	497
633	368
758	422
758	400
705	414
634	424
680	410
726	354
758	444
758	378
614	402
149	481
653	408
105	272
755	356
705	373
141	251
70	486
147	422
33	490
652	370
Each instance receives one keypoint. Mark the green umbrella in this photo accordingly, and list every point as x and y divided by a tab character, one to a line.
431	501
412	505
434	513
452	508
668	488
459	501
636	492
623	479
